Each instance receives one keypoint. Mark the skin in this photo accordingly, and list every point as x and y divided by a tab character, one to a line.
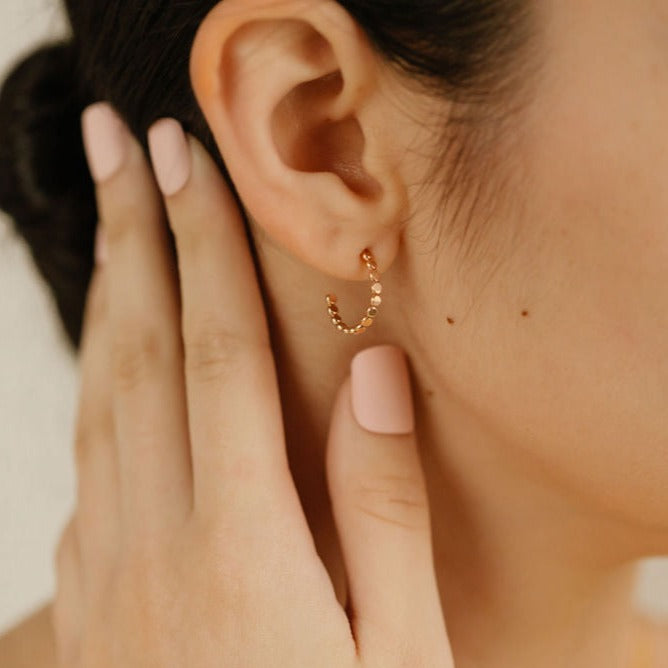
541	408
539	365
189	535
543	435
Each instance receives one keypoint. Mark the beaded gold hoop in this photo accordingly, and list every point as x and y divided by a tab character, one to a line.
376	300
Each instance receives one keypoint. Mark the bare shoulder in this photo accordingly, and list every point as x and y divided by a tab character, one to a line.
653	634
661	642
30	643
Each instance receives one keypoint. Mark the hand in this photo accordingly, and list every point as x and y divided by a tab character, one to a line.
189	546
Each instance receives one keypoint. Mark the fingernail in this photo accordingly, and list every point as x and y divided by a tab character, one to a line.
105	139
170	154
100	245
381	391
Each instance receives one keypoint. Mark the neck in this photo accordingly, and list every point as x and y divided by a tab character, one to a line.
528	575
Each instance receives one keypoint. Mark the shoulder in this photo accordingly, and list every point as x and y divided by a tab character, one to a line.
653	635
661	643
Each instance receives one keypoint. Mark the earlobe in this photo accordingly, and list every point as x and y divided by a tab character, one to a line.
291	92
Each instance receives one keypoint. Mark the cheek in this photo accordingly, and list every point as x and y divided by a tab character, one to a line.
598	346
580	386
587	375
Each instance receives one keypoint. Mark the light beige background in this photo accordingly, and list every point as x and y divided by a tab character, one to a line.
38	390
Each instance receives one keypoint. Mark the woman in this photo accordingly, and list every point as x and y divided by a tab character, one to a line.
495	169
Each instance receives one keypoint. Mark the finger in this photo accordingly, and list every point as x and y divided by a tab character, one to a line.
381	509
68	607
147	361
98	506
234	409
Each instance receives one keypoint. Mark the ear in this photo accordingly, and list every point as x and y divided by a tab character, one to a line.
296	99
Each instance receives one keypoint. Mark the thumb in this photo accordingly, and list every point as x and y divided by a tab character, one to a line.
380	505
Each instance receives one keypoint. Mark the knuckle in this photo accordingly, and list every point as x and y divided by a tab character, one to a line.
121	223
393	646
82	448
136	359
213	353
146	574
407	654
393	499
85	446
238	576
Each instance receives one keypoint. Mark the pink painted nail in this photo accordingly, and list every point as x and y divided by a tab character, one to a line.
381	391
100	245
105	139
170	154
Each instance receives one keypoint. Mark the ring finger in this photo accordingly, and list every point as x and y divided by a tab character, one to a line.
147	353
95	445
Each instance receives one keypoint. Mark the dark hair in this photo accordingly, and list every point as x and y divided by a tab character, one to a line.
135	54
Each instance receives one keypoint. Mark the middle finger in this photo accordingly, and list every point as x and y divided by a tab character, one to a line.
96	457
234	408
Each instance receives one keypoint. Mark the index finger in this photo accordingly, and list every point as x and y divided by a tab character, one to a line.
234	409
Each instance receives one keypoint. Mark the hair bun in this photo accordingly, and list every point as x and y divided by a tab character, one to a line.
45	185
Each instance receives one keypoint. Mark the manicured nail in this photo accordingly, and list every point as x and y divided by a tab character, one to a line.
170	154
381	391
100	245
105	139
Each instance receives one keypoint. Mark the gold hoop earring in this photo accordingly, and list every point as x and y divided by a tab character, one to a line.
376	300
